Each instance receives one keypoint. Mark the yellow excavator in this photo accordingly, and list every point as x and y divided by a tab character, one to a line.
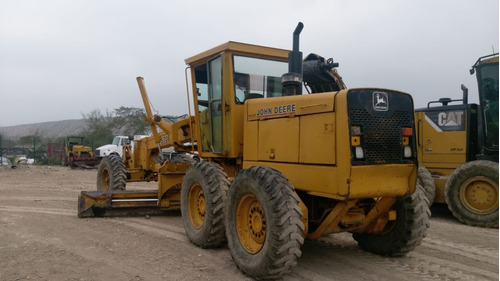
263	166
458	145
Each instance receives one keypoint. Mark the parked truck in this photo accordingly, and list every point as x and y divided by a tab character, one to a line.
116	146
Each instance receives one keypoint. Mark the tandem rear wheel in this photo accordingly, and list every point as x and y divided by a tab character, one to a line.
426	183
203	195
405	233
263	223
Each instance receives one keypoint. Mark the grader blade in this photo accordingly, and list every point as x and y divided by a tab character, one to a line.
118	203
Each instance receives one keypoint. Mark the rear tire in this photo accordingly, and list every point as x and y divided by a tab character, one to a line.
426	182
203	196
471	193
405	233
263	223
111	174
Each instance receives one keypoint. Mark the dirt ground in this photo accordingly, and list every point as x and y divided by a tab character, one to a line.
41	238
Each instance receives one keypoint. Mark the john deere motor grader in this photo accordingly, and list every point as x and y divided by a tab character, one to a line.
277	166
458	144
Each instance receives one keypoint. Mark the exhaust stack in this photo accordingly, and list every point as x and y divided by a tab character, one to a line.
292	81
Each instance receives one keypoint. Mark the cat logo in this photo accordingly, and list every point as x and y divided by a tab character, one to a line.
380	101
451	118
446	120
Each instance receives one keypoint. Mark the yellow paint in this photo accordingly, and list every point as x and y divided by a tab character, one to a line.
317	139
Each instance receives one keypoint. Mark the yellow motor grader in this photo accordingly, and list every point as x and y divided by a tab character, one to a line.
458	145
263	166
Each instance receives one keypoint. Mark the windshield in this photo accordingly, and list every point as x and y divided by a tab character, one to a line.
116	141
257	78
487	76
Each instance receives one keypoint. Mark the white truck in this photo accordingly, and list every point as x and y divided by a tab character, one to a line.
116	146
120	141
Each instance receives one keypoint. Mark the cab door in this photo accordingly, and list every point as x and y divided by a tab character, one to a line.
208	79
215	103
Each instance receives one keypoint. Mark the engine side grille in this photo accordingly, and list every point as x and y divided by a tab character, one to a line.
381	135
381	130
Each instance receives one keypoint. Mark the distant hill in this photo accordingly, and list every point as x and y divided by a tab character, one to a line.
63	128
46	129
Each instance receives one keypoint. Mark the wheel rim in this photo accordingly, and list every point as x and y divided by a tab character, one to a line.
479	195
196	206
251	223
105	176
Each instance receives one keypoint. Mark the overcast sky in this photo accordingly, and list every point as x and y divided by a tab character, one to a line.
60	59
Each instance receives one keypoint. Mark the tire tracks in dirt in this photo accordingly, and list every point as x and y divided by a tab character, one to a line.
100	253
451	251
447	270
488	256
38	210
167	230
39	198
154	227
91	256
131	231
435	259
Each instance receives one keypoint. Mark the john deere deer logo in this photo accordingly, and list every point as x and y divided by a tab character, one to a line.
380	101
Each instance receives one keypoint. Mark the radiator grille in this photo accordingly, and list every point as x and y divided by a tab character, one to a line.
381	130
381	135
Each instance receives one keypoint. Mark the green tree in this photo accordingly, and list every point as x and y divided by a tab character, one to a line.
131	119
123	121
99	127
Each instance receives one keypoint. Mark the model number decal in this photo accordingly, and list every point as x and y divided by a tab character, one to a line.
277	110
165	139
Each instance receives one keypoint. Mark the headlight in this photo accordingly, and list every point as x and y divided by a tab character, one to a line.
358	151
407	151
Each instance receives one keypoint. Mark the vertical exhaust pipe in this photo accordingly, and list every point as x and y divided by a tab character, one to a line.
292	81
465	94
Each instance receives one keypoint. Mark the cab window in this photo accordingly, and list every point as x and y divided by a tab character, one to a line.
257	78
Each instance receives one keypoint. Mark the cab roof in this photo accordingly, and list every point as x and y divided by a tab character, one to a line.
242	48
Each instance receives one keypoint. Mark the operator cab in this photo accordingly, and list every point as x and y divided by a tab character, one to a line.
224	78
227	76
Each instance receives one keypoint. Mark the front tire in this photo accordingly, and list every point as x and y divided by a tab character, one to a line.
263	223
405	233
111	174
203	196
471	193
